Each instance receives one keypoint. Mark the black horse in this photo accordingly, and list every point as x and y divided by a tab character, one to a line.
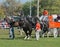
27	27
28	24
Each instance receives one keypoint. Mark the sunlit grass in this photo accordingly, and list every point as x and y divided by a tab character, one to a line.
20	42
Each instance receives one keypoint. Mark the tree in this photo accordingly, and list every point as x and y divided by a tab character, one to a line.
26	8
11	7
51	5
1	12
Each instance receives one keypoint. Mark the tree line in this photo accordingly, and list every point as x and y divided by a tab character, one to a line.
15	7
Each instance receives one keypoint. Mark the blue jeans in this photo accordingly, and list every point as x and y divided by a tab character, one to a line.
11	33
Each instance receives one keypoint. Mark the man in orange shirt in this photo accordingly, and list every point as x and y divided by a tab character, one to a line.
38	29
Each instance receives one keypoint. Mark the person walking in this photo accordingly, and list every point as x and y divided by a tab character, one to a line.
11	30
38	29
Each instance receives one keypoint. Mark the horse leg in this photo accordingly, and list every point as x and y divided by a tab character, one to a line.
55	33
58	29
26	35
29	34
43	33
21	31
48	34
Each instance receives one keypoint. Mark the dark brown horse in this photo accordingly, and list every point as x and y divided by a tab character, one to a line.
27	27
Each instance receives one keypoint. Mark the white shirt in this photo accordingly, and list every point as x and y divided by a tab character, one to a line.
43	18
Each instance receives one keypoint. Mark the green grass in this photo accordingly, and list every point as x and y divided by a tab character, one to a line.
20	42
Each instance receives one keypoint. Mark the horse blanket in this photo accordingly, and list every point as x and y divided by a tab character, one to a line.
52	23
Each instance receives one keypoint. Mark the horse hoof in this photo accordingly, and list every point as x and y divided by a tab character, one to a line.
25	37
37	39
28	38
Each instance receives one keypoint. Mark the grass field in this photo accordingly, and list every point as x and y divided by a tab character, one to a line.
20	42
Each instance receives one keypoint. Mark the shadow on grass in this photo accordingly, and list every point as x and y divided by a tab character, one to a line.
5	39
16	38
19	38
22	38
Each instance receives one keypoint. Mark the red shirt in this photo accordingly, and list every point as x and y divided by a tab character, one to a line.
38	26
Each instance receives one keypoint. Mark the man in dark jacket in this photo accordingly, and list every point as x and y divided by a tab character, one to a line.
12	36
